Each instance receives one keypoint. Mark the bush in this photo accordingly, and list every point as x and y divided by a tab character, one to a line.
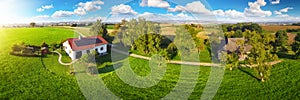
24	54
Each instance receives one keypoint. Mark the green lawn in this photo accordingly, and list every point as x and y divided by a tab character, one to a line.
36	78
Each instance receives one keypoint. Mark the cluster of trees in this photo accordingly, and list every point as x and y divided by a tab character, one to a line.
293	30
144	37
194	30
100	29
236	30
296	24
296	46
281	41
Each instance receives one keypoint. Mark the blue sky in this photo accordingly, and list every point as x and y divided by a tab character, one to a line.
24	11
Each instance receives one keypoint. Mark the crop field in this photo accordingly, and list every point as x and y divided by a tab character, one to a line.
36	78
275	28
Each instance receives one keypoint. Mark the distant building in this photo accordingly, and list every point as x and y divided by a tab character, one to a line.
76	47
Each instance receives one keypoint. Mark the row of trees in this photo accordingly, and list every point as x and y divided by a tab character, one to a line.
236	30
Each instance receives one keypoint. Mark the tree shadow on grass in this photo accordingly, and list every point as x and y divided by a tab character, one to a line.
285	55
249	73
109	68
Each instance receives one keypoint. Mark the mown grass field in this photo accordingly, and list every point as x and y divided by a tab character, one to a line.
36	78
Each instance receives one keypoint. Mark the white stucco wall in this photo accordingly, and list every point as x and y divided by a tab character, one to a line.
72	54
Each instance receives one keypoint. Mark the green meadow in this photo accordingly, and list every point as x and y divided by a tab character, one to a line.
45	78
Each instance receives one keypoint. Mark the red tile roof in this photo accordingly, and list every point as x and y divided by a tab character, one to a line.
86	42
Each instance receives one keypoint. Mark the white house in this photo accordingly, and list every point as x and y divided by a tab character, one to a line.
76	47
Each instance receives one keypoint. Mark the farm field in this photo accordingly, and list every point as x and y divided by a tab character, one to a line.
36	78
275	28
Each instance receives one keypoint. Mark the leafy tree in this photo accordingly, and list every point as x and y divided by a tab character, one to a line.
99	28
44	44
231	59
281	41
182	35
32	24
54	46
134	29
192	29
260	53
296	46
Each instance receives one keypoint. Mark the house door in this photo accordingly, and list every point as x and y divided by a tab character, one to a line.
78	54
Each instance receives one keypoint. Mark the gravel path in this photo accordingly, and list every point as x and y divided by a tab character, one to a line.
59	59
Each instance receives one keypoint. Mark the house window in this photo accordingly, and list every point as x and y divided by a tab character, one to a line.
101	48
87	51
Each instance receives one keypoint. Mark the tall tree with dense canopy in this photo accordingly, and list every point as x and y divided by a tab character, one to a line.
296	46
181	38
32	24
99	28
281	41
134	29
260	53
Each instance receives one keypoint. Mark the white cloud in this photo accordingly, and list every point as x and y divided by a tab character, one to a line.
229	13
80	11
275	2
91	5
41	17
155	3
165	17
284	10
85	7
62	13
43	8
194	7
283	15
277	12
122	9
254	9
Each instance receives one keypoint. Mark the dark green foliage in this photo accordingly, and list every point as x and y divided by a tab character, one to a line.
135	29
184	48
281	41
100	29
239	28
32	24
293	30
296	24
150	44
44	44
296	46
